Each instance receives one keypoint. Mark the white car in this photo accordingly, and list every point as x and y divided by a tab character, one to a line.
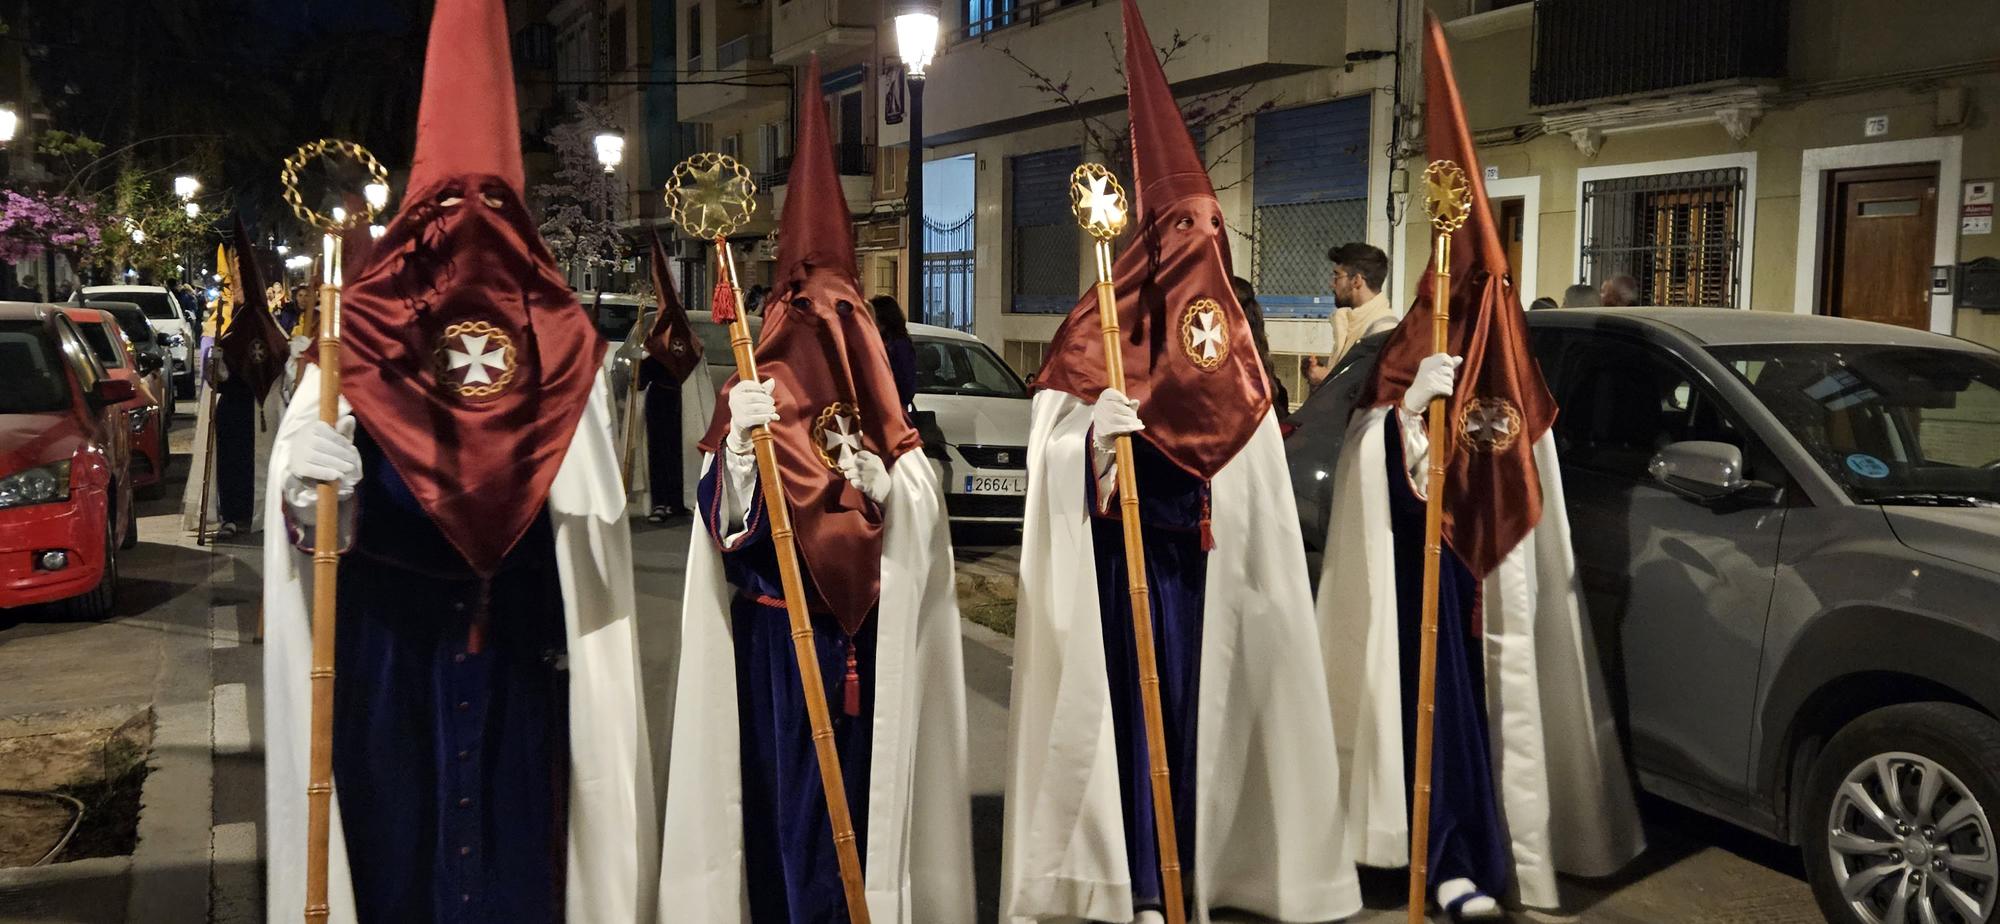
980	441
175	330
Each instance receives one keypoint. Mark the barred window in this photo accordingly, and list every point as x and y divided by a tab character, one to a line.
1025	356
1043	233
1310	194
1678	234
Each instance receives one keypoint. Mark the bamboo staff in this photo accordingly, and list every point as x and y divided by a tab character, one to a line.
1448	205
208	457
628	461
710	196
1099	205
326	526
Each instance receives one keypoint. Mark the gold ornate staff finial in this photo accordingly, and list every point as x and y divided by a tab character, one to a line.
1097	201
711	195
1447	197
340	221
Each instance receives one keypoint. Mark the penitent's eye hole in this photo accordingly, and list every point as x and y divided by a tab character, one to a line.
1184	224
1215	221
492	201
450	197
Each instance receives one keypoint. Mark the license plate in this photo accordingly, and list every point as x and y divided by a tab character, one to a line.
996	484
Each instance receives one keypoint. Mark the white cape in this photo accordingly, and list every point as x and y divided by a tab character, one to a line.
1565	795
919	864
611	837
1267	835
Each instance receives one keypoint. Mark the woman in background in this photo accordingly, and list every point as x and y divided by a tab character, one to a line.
1254	312
902	351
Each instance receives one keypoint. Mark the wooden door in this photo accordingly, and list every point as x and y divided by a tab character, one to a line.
1880	235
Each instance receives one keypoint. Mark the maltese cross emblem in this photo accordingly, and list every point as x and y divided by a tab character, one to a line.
1204	334
837	434
475	360
1489	424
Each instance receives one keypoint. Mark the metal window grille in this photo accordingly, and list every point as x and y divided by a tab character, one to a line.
1679	234
949	264
1291	240
1287	366
1043	235
1025	356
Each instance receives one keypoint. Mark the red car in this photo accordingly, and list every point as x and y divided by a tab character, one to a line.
65	498
144	413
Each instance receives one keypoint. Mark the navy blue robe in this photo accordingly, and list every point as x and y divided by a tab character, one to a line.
664	442
1172	506
1466	840
450	758
789	865
235	459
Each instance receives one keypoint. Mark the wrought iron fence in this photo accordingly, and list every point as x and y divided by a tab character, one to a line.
1595	49
949	267
1288	252
1678	234
743	48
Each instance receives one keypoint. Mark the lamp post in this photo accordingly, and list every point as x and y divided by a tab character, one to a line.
610	145
186	186
9	124
916	42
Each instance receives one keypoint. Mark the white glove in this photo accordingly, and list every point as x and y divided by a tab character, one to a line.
325	452
1435	376
750	406
1113	416
865	471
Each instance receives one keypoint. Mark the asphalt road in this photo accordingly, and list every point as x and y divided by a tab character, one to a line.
185	642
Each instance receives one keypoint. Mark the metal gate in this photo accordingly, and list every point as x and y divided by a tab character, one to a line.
949	262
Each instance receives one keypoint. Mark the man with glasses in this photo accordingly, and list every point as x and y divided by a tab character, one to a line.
1358	273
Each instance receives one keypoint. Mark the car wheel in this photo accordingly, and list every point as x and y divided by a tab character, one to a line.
96	604
1899	817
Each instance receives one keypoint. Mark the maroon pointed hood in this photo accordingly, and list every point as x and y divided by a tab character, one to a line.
1190	360
253	348
671	341
464	352
820	348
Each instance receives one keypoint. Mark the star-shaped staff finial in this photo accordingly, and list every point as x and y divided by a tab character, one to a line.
1098	201
711	195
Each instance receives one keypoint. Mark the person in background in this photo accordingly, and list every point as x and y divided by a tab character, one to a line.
1541	303
1253	311
1581	295
1359	270
1314	368
895	331
753	300
1620	291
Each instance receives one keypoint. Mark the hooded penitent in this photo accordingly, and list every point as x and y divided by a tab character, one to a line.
465	355
1492	496
1190	360
671	342
253	347
831	378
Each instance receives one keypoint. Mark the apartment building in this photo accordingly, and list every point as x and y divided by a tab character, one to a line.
1828	157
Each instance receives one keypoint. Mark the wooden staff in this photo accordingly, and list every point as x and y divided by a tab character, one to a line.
326	571
628	461
208	462
1446	187
1099	204
326	526
721	199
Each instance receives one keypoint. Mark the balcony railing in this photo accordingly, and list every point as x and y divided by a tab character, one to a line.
1600	49
849	159
736	51
985	16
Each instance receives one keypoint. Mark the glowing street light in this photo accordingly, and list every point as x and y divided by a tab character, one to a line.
376	231
610	145
186	186
9	123
192	209
916	44
377	195
284	249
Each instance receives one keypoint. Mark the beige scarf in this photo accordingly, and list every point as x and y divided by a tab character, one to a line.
1352	324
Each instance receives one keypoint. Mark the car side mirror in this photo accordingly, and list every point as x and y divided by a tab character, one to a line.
150	363
113	391
1708	472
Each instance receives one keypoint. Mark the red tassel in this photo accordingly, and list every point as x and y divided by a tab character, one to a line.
851	695
724	302
1207	533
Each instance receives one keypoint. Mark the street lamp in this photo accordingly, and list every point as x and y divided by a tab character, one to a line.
377	195
916	43
186	186
610	144
192	209
375	232
9	123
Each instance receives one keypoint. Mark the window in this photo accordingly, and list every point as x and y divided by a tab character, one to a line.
99	338
1678	234
694	38
957	367
1310	194
1622	402
1026	356
1292	377
614	37
983	16
732	144
31	377
1043	233
767	148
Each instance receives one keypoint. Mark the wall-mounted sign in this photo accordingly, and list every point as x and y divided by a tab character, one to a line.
1875	125
1492	173
894	96
1975	215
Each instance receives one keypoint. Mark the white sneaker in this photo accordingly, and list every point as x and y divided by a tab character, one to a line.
1464	902
1150	917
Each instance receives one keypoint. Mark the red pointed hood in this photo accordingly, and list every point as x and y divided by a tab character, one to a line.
820	348
467	123
464	352
816	232
1190	360
252	345
671	340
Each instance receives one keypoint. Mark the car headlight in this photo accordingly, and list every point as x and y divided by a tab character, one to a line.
41	485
